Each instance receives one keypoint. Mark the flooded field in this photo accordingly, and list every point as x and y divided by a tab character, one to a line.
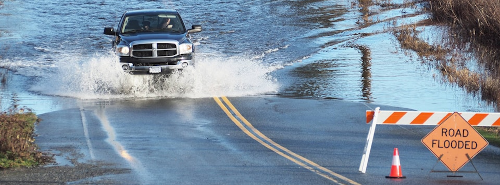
55	53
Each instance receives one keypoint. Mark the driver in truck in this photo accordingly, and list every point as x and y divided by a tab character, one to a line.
166	24
146	25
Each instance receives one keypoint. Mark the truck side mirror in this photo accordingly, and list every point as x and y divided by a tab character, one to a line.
194	29
109	31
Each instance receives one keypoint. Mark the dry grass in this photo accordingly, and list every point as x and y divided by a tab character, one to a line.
451	65
476	22
476	18
436	56
474	28
408	38
463	77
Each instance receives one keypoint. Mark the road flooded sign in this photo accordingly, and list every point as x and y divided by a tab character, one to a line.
454	142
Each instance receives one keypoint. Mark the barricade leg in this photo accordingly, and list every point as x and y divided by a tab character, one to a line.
368	145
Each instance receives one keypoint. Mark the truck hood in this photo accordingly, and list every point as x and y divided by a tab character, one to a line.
128	38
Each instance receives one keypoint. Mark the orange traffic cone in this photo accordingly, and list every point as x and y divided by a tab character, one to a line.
396	166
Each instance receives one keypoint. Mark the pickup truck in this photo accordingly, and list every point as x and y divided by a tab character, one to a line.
153	41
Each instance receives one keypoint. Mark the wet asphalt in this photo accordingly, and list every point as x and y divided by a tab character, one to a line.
192	141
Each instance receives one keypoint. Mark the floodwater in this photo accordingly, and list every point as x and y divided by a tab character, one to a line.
56	53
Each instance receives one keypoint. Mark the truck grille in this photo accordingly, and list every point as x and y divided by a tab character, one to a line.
151	50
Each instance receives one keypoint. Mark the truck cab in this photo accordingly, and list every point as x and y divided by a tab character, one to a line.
153	41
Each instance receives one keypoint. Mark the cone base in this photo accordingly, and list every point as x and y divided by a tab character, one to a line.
402	177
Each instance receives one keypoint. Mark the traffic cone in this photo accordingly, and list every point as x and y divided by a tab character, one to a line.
396	166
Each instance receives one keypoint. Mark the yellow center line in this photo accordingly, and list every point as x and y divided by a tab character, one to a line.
264	140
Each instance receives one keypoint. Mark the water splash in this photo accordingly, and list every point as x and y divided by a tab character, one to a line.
101	77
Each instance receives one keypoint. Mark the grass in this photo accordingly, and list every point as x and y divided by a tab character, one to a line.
490	134
451	66
477	35
477	19
407	36
473	26
476	26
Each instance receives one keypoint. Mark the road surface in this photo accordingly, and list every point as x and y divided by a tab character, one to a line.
243	140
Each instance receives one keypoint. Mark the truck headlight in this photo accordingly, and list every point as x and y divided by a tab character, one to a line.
122	50
186	48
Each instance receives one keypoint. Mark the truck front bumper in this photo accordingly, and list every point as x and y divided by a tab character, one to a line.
155	65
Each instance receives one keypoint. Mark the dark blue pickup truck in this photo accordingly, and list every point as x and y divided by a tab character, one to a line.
153	41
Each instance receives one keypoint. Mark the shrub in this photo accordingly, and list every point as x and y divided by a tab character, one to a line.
17	147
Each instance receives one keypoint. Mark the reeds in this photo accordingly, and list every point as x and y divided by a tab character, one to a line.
473	35
476	18
476	22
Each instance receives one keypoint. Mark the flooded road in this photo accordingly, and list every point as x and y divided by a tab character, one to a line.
285	63
310	49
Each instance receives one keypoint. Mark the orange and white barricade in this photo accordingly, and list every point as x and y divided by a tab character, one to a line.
418	118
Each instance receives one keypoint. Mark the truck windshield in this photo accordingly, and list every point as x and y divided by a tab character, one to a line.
153	23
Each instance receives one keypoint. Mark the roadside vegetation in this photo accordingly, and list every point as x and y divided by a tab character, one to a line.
490	134
469	55
17	127
465	35
17	146
476	24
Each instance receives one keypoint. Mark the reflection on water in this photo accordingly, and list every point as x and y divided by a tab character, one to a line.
366	73
367	57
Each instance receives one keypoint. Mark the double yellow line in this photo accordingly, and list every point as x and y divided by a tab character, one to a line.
255	134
